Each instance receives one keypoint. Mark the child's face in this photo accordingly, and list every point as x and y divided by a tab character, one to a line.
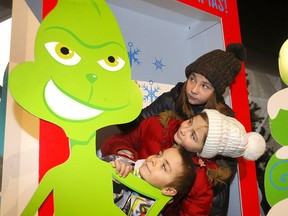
198	89
192	134
160	170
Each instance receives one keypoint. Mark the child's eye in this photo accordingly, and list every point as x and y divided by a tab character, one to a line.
193	79
193	136
164	167
206	86
159	154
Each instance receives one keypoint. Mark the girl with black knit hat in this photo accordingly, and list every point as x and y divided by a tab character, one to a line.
207	79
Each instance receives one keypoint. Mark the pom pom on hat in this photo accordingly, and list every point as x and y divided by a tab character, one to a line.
238	50
256	146
219	67
228	137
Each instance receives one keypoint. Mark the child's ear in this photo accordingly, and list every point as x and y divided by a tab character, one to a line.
169	191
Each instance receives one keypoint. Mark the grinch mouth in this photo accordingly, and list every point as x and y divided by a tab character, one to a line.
65	106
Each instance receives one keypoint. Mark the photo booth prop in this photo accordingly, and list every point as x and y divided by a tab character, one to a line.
161	37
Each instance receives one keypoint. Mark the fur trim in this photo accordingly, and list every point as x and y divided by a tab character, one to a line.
164	117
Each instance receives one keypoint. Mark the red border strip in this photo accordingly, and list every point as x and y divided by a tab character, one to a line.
239	96
53	143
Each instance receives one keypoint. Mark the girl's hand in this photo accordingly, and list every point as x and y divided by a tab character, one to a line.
122	169
127	153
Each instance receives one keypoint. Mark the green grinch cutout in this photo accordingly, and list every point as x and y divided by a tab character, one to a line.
81	81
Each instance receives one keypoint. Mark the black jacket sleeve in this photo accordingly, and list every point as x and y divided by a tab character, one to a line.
220	201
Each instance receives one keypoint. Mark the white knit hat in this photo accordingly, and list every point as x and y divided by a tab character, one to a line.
228	137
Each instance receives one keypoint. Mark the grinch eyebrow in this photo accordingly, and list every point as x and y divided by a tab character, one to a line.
81	42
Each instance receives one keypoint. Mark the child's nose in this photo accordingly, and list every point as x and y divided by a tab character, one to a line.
153	161
195	88
186	128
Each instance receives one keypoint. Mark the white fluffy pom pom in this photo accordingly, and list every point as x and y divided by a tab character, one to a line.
256	146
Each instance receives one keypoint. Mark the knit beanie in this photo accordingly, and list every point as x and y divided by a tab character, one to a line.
228	137
219	67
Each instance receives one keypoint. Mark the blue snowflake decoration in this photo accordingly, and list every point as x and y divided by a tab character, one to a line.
133	54
158	64
151	92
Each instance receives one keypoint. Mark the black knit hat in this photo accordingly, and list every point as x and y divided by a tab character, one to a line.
219	67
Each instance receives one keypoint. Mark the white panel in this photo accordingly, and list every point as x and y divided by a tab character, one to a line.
5	29
164	37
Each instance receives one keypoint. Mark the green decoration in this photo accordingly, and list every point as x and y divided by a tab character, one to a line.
81	81
276	180
276	173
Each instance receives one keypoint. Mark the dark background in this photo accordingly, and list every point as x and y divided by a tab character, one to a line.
264	28
263	24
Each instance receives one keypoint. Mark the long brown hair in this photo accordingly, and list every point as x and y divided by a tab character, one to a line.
183	105
220	175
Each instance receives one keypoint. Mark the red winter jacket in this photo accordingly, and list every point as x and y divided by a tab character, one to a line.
155	134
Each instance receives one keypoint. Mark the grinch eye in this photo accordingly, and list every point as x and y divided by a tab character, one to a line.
112	63
62	53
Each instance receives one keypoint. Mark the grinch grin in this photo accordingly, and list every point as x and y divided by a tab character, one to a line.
65	106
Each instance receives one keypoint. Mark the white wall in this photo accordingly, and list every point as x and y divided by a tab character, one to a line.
5	37
176	41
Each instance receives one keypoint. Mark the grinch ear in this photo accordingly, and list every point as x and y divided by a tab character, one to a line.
169	191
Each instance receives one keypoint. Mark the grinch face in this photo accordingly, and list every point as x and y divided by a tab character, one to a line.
81	77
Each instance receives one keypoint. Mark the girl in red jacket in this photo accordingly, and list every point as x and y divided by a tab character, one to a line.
224	136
